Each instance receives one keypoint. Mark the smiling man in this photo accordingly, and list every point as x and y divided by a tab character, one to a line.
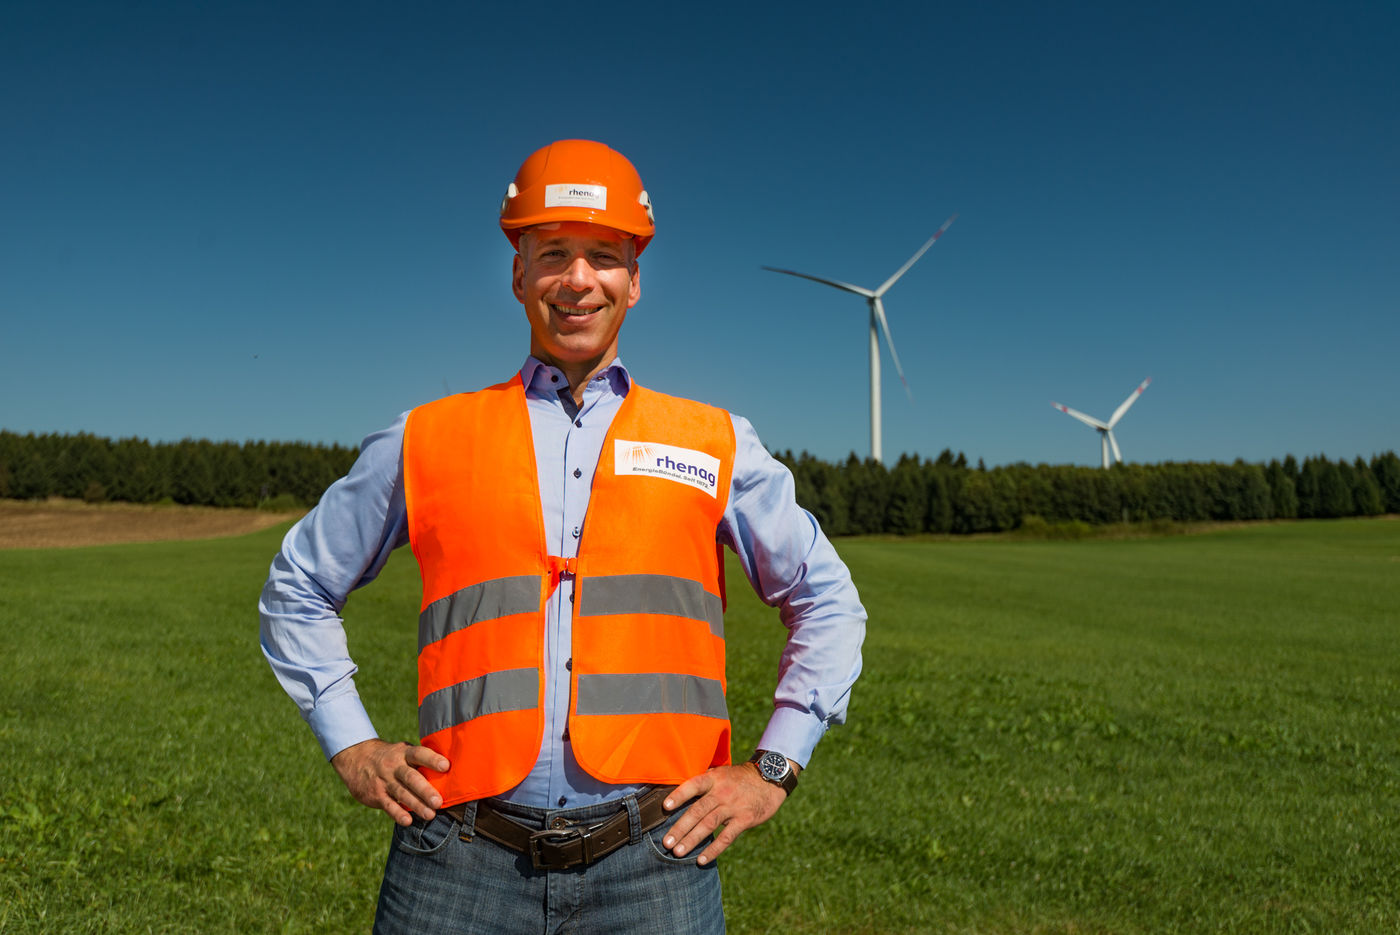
573	768
577	281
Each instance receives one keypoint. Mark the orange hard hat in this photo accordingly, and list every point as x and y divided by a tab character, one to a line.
578	180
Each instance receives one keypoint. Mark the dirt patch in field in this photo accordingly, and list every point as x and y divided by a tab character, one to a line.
66	523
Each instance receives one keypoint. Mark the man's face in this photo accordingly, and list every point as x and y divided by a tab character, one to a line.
577	282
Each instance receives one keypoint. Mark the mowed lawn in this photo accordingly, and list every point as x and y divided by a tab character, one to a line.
1188	733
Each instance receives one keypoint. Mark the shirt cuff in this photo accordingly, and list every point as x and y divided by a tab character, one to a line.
793	733
339	723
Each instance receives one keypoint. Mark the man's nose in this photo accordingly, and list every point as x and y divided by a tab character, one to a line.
580	274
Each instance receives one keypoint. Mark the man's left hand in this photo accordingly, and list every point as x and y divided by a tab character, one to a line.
733	796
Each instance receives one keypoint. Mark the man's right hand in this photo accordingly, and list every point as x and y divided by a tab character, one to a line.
384	775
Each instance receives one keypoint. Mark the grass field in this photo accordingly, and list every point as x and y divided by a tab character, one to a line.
1179	734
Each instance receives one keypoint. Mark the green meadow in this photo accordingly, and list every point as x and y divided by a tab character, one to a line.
1187	733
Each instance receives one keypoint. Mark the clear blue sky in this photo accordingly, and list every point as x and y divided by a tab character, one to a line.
278	221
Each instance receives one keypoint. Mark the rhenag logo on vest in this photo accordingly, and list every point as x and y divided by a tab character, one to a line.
576	195
683	465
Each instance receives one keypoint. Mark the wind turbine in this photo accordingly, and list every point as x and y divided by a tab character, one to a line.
877	319
1105	429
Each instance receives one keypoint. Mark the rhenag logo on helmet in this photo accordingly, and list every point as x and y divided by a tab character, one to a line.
683	465
576	195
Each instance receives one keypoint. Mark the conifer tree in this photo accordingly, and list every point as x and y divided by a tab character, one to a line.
908	503
1386	469
1365	492
1282	493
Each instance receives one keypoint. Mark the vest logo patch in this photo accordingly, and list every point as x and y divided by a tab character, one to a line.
682	465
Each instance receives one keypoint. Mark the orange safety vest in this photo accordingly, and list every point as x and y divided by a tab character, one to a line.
647	673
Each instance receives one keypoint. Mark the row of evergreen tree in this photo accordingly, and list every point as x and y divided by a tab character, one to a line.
942	495
945	495
204	473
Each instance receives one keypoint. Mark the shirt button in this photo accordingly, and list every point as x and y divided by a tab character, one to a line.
571	597
575	532
554	378
569	664
566	734
563	801
577	472
578	423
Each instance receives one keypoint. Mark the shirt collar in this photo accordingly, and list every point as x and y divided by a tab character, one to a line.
538	377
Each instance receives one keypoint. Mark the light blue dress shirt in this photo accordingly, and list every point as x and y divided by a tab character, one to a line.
343	543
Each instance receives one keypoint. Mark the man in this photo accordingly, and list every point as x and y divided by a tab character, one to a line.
574	762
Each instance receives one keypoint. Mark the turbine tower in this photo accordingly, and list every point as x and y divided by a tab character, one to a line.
1105	429
878	323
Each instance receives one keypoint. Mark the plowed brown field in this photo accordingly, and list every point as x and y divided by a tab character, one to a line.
66	523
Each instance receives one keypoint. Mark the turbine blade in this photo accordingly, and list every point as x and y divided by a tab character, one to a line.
1117	455
858	290
1132	398
915	258
1075	413
879	308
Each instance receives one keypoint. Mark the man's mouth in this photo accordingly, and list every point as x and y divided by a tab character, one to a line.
573	311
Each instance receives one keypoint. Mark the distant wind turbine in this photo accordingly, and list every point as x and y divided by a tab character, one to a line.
877	320
1105	429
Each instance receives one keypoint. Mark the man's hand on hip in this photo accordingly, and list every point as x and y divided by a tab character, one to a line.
733	796
384	775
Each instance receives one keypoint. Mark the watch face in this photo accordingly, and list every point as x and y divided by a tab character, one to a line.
774	766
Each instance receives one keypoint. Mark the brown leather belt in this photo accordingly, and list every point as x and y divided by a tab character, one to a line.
565	845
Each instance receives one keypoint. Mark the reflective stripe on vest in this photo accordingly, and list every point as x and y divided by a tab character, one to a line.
492	693
647	691
488	600
651	693
653	594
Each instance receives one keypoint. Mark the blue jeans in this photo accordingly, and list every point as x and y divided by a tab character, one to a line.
436	882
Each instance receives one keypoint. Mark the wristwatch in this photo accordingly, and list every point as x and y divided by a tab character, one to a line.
775	768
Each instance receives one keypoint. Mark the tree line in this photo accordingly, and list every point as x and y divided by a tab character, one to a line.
946	495
857	496
201	473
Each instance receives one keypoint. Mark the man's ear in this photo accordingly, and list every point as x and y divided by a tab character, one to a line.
634	292
517	278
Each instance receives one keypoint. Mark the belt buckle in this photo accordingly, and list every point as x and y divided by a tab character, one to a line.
555	838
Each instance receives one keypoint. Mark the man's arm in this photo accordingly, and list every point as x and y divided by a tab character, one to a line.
793	567
339	546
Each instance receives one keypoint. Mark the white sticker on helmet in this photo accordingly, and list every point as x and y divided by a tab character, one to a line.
576	196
